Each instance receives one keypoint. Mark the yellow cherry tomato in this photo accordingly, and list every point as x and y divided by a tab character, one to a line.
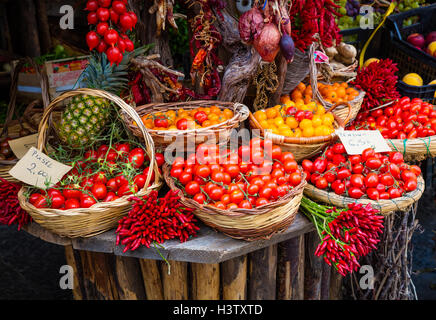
308	132
319	131
316	121
229	113
291	122
260	115
264	124
320	110
271	113
278	121
298	133
305	123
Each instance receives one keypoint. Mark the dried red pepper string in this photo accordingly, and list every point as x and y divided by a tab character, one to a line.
10	209
345	235
153	220
379	82
311	17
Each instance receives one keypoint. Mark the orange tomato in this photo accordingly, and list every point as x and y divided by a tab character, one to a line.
228	113
296	94
301	86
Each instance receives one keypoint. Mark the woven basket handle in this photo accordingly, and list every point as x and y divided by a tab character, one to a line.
14	88
341	123
149	144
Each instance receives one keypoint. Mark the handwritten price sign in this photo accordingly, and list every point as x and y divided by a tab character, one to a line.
39	170
357	141
20	146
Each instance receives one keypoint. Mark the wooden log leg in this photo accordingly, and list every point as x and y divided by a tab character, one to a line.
313	268
335	285
205	281
152	279
325	281
175	285
98	276
73	260
129	279
262	274
290	269
234	278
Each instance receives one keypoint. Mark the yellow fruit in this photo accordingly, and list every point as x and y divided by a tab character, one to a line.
327	119
312	106
264	124
413	79
305	123
298	133
316	121
432	82
432	47
289	104
308	132
228	113
319	131
271	113
278	121
369	61
291	122
271	122
275	130
305	107
260	115
320	110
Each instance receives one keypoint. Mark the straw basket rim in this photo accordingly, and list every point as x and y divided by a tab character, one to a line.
101	207
419	148
386	207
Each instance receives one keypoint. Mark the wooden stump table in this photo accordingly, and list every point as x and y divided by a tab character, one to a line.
210	266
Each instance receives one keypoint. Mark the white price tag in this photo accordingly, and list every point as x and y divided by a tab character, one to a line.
38	169
357	141
20	146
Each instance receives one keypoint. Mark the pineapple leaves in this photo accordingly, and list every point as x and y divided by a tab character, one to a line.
100	74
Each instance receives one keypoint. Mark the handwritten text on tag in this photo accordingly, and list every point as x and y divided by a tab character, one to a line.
39	170
20	146
357	141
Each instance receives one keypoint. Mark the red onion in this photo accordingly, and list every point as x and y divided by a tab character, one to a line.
250	25
287	47
267	44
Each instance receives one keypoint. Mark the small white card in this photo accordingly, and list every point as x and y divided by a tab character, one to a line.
38	169
20	146
357	141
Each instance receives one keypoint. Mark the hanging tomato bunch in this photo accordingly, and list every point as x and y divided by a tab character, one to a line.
112	21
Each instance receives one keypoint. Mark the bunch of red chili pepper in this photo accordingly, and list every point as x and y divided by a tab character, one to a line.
10	209
346	235
154	220
203	47
311	17
379	82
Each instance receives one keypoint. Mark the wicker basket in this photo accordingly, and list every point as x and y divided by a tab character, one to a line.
87	222
342	112
302	148
414	149
247	224
385	207
221	132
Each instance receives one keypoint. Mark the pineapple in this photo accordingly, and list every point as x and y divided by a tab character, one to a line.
85	117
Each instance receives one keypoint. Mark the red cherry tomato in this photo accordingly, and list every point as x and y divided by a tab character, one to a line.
192	188
72	203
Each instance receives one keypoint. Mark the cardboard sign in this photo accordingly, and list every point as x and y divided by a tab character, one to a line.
39	170
357	141
20	146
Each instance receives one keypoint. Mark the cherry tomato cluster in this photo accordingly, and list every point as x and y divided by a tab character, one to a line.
371	174
109	16
252	176
104	175
406	119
